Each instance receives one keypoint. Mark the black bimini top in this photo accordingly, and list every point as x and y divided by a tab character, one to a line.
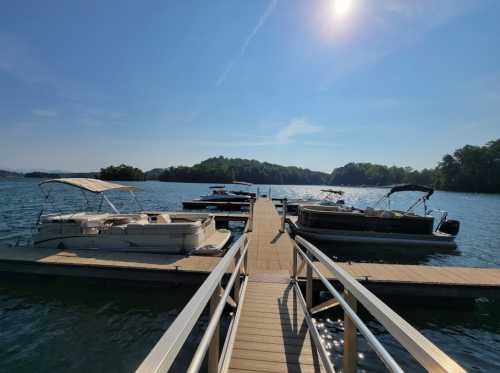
217	187
411	188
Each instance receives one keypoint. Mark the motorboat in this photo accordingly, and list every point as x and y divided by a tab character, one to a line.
327	197
143	231
340	223
220	194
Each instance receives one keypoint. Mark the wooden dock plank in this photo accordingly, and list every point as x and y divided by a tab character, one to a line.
272	334
269	250
418	274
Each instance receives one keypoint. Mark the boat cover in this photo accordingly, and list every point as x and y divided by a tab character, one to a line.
411	188
93	185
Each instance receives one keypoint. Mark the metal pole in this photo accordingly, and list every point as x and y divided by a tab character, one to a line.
250	215
213	349
309	286
294	271
269	194
245	264
283	218
236	295
350	363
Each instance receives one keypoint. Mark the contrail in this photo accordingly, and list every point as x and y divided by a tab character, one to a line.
262	20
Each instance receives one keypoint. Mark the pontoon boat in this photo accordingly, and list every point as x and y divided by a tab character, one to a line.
146	231
378	226
220	194
327	197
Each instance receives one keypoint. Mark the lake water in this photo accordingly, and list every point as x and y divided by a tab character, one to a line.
58	325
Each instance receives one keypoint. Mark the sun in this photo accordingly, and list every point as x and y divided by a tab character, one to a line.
341	8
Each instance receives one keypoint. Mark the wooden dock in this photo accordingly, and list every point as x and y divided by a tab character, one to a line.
272	335
423	281
199	205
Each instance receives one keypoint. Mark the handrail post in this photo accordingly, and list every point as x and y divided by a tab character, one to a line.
245	259
350	362
213	350
250	215
236	289
294	268
309	285
283	218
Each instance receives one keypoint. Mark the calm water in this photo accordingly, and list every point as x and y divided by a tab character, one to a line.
61	326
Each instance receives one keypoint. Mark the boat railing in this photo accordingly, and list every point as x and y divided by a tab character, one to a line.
210	293
424	351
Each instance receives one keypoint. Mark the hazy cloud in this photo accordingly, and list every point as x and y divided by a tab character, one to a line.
285	135
45	113
295	128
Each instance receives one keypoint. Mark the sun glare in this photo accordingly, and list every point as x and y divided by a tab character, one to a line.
341	8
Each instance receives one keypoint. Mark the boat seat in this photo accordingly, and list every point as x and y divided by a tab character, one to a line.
387	214
371	212
70	229
160	219
118	229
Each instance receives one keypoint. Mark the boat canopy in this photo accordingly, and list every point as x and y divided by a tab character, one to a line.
411	188
217	187
242	183
341	192
93	185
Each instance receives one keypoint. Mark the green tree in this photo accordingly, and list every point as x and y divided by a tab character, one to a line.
122	172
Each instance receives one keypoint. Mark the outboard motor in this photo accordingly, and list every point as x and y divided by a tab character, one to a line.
450	227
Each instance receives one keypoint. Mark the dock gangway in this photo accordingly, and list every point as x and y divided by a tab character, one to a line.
289	339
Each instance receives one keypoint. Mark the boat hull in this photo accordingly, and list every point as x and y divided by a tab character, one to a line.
186	233
435	240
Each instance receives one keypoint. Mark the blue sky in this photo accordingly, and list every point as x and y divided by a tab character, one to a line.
313	83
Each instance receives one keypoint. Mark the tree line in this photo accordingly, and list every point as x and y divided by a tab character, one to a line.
226	170
468	169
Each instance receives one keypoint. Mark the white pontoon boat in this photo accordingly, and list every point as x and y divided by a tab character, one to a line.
181	233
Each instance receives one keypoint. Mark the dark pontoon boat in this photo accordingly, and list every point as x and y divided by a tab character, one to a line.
378	226
221	194
327	197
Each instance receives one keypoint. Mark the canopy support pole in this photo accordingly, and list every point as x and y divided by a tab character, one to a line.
110	203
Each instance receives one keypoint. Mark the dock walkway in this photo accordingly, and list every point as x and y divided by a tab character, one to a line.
272	334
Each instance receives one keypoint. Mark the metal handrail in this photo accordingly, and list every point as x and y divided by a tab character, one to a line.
214	321
386	358
163	354
423	350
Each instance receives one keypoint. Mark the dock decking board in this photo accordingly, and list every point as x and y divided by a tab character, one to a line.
271	313
269	250
278	342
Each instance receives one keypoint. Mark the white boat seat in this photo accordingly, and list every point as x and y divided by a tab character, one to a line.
160	219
